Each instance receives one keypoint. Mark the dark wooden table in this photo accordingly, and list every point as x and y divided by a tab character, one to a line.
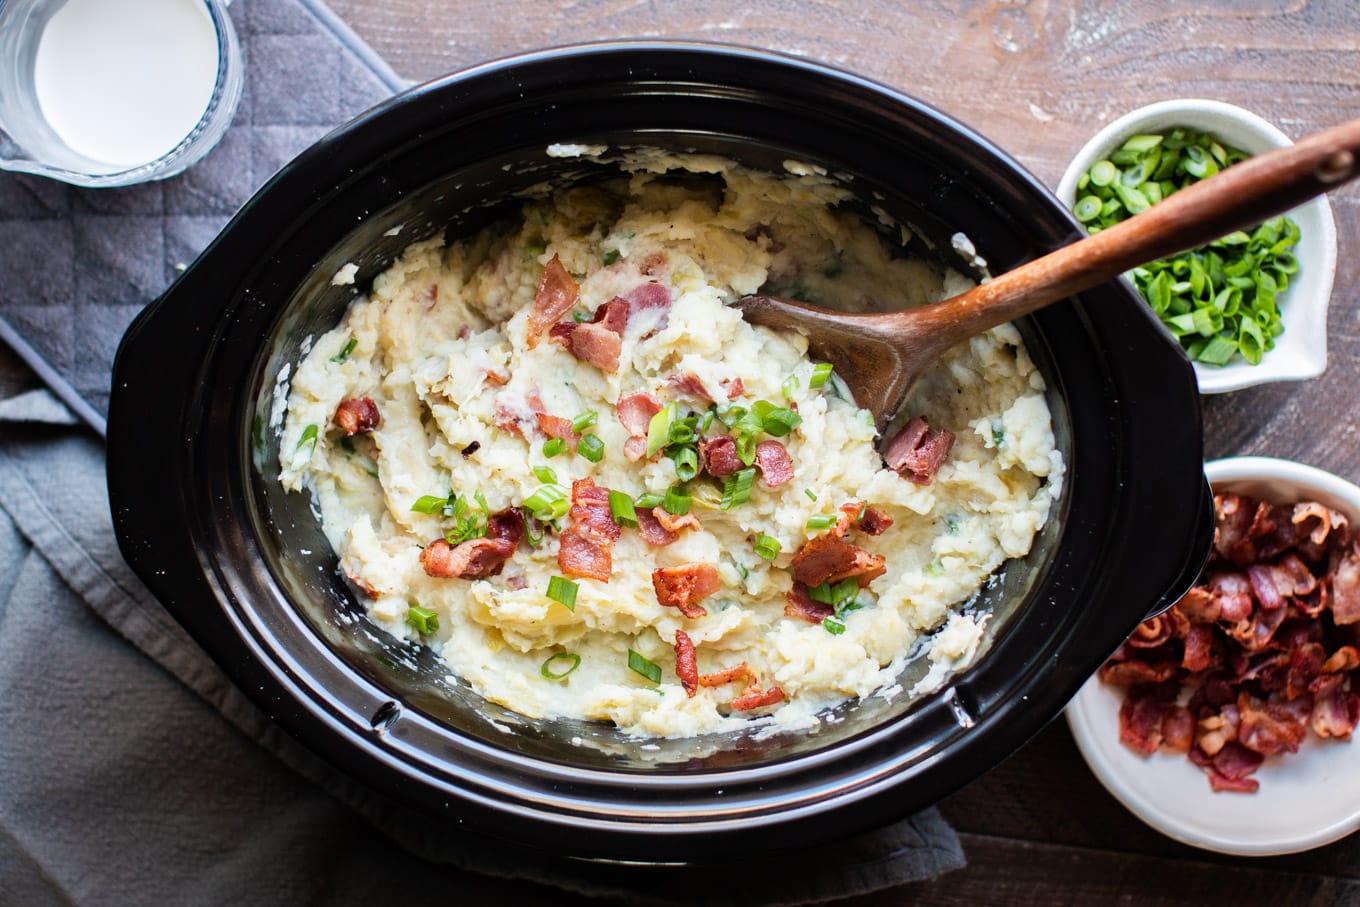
1038	77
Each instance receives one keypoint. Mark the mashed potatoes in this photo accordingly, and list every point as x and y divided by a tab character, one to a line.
628	512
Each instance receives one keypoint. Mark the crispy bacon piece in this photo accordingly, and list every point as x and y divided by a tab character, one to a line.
673	523
1141	718
635	413
558	427
740	671
757	698
874	521
917	453
685	585
719	455
1199	648
800	605
356	415
557	293
689	383
686	663
1346	589
613	315
1134	672
596	344
1229	768
507	524
473	559
1336	714
651	529
752	696
828	559
649	295
1154	631
774	463
659	527
598	341
735	387
584	547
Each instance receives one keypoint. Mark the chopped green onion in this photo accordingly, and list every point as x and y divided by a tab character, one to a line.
554	446
686	463
833	625
676	501
682	431
1087	208
584	421
548	502
308	437
737	488
746	447
428	503
579	316
779	421
591	448
570	660
1103	173
767	546
532	531
810	493
545	475
563	591
621	506
642	665
609	257
821	373
471	524
421	620
821	521
659	429
649	500
711	413
790	386
348	348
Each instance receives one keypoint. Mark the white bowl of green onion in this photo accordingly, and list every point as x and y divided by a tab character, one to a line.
1248	309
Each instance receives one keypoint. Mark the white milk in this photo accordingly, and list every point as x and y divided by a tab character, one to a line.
124	81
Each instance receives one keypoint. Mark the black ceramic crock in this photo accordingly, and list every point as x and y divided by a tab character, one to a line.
244	567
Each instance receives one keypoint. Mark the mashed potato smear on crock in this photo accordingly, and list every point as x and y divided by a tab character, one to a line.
554	453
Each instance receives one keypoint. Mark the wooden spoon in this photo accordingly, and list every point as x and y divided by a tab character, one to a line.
880	356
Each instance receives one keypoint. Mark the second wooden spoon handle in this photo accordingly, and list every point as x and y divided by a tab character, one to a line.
1237	198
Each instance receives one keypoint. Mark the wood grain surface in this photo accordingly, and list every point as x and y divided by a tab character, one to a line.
1038	77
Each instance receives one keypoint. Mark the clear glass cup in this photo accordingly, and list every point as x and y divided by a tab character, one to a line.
30	144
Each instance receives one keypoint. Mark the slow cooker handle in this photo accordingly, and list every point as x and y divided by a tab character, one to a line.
1195	559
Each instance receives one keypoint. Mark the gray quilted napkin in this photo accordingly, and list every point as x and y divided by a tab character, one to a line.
79	264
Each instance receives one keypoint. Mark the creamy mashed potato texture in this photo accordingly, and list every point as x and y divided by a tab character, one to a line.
554	453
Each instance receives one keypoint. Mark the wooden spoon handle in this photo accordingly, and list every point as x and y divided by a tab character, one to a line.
1237	198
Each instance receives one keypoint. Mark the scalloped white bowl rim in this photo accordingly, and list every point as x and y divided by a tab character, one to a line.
1300	352
1306	799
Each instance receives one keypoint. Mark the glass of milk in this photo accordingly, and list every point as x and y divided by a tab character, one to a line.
114	92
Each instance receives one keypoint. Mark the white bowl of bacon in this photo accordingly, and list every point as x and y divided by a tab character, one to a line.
1226	722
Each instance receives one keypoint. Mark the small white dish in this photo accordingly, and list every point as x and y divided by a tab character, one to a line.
1301	351
1306	799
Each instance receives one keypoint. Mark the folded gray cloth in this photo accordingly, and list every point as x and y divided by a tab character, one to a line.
79	264
112	762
